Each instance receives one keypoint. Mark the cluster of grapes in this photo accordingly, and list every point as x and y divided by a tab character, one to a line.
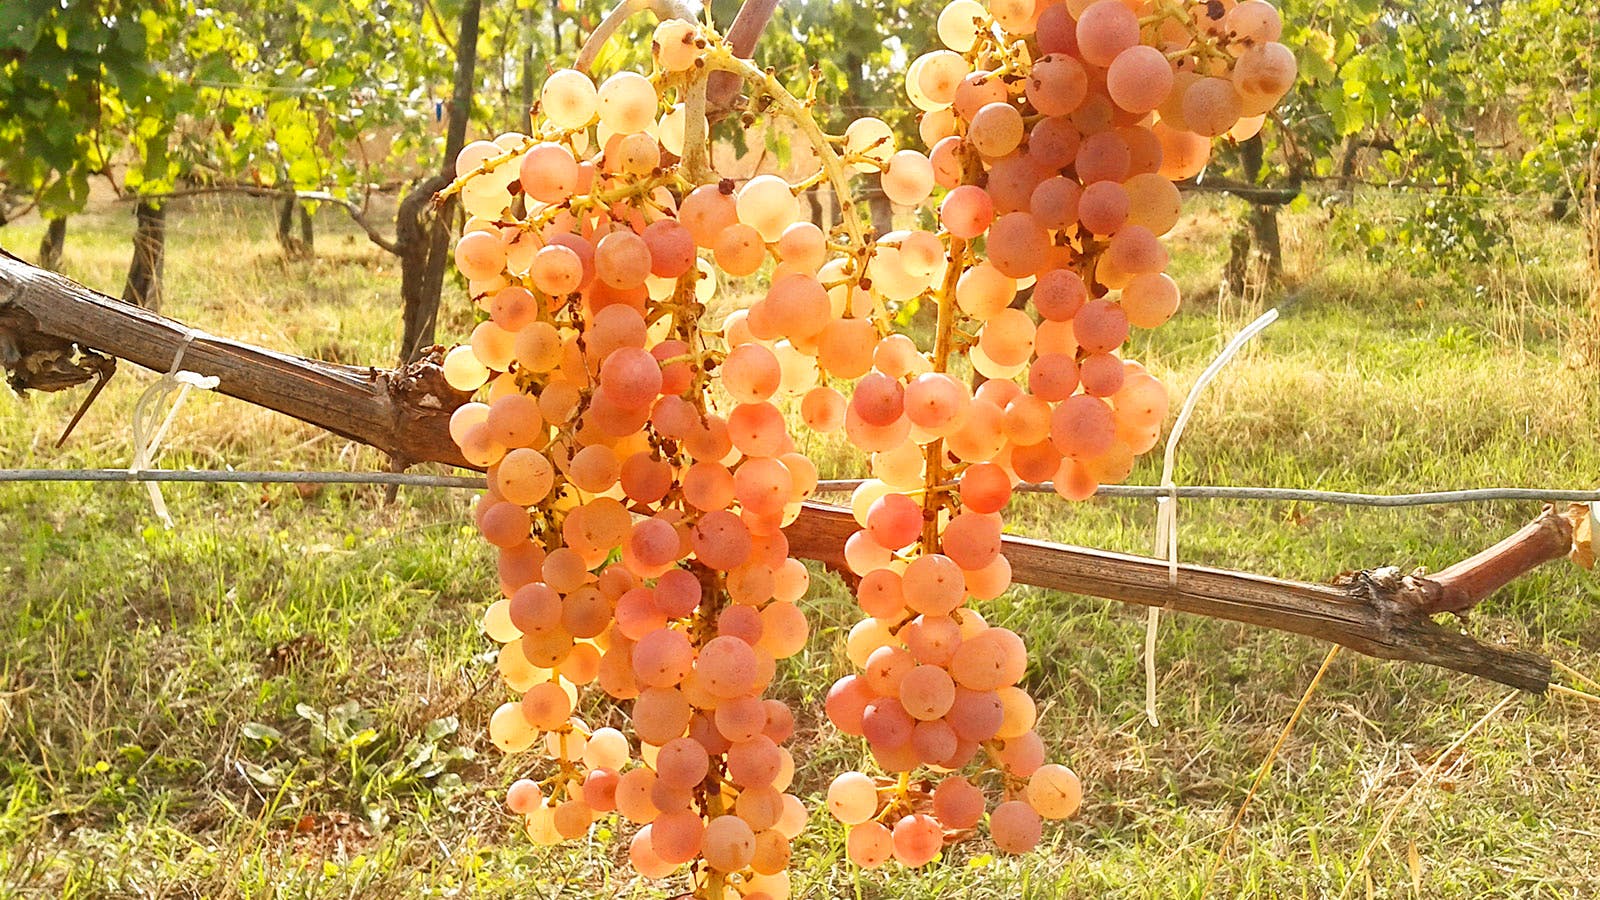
641	470
639	528
1057	130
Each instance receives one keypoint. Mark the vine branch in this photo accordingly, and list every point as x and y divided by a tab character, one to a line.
48	321
356	211
622	12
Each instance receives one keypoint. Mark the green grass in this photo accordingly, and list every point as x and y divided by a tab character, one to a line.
286	694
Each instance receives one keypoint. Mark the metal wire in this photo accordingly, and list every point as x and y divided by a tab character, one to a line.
228	476
1341	498
1121	491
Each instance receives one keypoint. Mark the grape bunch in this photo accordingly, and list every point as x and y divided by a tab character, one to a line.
641	465
639	527
1056	131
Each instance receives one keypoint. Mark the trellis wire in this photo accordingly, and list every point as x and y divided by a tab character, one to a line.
835	486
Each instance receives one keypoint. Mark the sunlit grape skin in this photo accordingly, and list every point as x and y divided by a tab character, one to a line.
642	467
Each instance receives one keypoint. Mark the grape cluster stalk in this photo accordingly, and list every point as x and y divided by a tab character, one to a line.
642	468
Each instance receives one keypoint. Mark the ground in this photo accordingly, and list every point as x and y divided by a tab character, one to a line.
286	694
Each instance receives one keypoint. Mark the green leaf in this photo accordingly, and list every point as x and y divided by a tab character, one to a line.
442	727
257	731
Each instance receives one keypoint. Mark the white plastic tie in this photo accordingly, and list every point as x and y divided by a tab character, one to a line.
1166	540
146	446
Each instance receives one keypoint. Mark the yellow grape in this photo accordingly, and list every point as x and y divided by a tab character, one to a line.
568	99
1054	791
627	103
959	23
872	141
852	798
675	43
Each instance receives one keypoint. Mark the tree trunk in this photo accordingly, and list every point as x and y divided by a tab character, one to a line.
295	246
522	119
1255	246
820	215
421	310
53	242
1269	247
1236	272
414	226
878	204
143	287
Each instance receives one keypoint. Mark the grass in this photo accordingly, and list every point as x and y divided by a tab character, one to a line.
286	695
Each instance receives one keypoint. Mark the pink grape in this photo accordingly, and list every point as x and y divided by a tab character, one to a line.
917	839
966	211
1106	29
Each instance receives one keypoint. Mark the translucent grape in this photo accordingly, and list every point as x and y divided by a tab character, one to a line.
869	844
870	139
1153	202
1054	792
1253	22
706	212
677	836
1267	71
480	254
568	99
662	658
674	43
983	290
1183	153
936	401
976	91
908	178
739	249
852	798
933	584
728	844
549	173
750	373
767	204
958	24
1149	300
627	103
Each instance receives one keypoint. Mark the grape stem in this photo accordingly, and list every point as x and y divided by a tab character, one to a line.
484	168
622	12
696	146
943	340
719	57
